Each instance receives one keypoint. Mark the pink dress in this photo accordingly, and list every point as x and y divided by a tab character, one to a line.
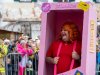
25	53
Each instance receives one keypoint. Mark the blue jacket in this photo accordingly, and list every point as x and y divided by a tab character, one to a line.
98	57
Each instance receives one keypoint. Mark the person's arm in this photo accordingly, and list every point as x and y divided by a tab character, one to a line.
49	55
52	60
77	53
49	60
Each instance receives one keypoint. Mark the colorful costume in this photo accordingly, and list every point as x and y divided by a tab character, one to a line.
65	56
25	53
3	53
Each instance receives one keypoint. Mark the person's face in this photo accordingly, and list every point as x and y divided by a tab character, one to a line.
23	43
65	35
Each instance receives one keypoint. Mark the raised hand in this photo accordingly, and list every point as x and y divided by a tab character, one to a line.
55	60
75	55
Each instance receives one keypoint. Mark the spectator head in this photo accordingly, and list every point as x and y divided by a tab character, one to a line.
22	42
6	42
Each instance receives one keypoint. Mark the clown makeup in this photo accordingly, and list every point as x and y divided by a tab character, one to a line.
65	35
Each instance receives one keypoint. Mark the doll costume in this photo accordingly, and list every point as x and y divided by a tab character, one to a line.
65	55
25	53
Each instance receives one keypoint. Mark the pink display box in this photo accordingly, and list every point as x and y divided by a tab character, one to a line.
53	16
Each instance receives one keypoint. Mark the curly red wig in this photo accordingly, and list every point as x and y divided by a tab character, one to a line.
72	30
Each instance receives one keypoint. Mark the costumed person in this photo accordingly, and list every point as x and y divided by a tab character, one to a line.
23	49
66	42
3	53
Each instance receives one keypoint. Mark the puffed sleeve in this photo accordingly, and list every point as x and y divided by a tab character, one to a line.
21	50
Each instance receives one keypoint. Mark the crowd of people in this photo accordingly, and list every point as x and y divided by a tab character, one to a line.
19	57
98	54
